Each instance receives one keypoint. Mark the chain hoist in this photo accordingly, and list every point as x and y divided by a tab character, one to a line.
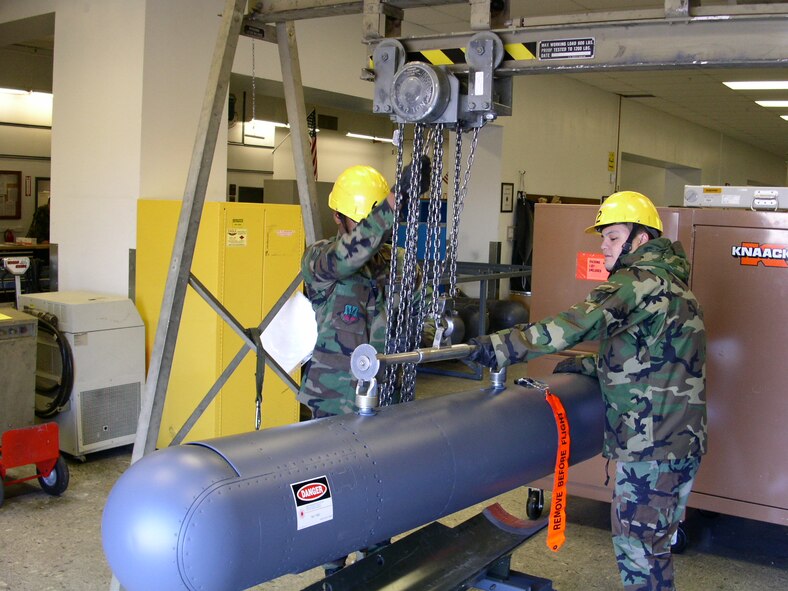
415	293
434	101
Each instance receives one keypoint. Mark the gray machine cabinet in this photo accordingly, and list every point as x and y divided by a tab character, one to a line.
17	369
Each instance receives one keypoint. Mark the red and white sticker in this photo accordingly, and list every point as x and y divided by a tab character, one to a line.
313	502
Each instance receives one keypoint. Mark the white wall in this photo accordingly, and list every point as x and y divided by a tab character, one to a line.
657	135
561	133
643	178
125	117
742	164
481	221
96	141
330	52
175	74
335	153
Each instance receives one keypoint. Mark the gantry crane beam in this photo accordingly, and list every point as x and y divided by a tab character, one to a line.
739	41
677	35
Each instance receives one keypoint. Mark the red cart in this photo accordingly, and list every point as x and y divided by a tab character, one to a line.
37	445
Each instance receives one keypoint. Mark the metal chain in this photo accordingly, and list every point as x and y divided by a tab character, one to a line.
410	326
387	386
254	91
433	261
460	190
404	322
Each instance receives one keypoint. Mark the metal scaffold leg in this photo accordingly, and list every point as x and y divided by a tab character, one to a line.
188	226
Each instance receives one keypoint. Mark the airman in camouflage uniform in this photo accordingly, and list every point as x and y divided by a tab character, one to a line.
346	280
651	369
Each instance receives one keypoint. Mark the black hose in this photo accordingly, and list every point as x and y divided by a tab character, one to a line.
61	390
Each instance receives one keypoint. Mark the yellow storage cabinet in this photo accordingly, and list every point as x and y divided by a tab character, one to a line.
247	254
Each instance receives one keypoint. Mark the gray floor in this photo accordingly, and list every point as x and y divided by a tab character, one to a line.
53	544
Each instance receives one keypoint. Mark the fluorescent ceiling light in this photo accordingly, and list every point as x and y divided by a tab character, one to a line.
264	123
778	104
758	85
370	137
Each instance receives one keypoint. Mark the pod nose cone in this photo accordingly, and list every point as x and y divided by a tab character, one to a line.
145	511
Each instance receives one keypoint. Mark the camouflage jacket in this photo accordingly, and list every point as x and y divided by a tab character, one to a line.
346	279
651	363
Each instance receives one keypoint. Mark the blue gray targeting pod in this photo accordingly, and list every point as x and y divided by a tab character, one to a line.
233	512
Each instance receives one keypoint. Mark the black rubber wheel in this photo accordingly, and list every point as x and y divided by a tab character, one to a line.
2	492
535	503
57	482
681	541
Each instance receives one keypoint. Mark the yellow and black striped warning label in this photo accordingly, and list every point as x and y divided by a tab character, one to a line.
445	57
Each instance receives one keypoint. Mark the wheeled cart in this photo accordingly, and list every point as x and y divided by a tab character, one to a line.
37	445
23	443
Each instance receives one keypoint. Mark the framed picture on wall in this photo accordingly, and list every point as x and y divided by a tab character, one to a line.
507	197
10	194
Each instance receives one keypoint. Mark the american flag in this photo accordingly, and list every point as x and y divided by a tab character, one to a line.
311	121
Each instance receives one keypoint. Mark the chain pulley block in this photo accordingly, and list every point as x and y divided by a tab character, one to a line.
435	102
418	92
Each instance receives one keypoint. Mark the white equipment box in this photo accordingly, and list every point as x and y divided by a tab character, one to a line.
755	198
107	339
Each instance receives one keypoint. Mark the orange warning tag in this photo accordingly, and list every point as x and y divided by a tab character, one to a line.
557	520
591	266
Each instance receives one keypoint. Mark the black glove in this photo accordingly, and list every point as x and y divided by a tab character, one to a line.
407	173
483	352
568	365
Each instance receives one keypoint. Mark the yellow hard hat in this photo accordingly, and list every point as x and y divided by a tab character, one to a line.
356	191
626	207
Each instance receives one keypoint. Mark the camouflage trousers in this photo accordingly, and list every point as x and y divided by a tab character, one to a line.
648	505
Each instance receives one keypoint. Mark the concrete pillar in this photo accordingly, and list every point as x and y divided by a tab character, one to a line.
129	80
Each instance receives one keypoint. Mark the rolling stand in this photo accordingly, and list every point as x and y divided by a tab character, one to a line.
475	554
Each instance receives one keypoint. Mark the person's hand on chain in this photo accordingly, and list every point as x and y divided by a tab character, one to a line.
424	166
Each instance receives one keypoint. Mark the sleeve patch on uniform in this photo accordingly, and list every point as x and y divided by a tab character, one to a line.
601	293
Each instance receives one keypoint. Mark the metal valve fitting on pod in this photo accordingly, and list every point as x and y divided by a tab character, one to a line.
229	513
